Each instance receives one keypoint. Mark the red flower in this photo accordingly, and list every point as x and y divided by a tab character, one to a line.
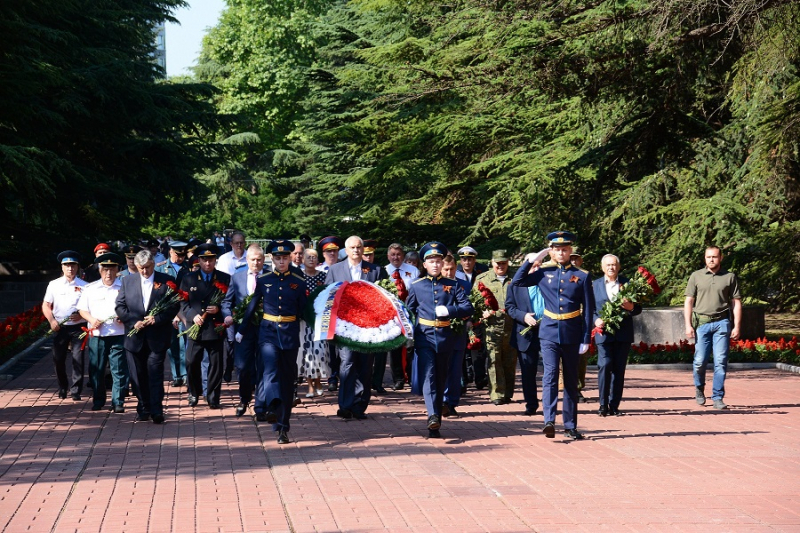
221	287
650	279
488	297
360	306
172	286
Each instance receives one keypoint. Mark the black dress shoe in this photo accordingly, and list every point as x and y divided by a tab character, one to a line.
158	419
297	401
498	402
119	409
434	422
76	397
453	413
62	393
333	385
380	390
261	417
480	385
347	414
228	375
272	418
241	408
283	437
549	430
142	417
603	411
360	416
398	385
581	399
445	410
615	412
434	434
176	383
573	434
530	412
214	406
192	401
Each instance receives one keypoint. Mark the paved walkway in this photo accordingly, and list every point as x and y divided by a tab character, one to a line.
668	465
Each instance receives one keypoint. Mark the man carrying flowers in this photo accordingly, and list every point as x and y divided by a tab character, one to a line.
281	297
206	289
613	344
435	300
565	330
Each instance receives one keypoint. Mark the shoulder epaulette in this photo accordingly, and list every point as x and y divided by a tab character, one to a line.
548	264
417	280
301	278
582	270
265	274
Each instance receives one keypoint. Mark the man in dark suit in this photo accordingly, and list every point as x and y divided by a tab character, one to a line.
565	331
147	348
355	368
202	288
525	306
243	284
469	269
612	348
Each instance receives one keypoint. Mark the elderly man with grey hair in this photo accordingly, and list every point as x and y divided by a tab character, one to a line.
148	336
612	347
355	369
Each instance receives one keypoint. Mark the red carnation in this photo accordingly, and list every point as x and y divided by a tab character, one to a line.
650	279
221	287
172	286
488	297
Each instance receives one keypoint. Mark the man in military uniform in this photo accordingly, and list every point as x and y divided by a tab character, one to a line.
435	300
176	267
61	311
201	288
281	297
106	334
565	330
155	248
329	246
499	328
455	371
130	252
712	299
469	269
92	272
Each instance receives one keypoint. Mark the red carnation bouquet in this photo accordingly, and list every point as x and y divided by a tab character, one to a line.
639	288
396	286
173	296
220	290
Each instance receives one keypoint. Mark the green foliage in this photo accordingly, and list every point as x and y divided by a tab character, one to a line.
92	140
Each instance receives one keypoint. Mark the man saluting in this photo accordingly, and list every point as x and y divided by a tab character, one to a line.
565	330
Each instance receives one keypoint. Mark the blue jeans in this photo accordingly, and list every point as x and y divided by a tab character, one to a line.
716	336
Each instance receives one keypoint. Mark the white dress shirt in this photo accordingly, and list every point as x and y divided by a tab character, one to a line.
355	271
64	296
229	263
100	301
612	288
147	289
408	273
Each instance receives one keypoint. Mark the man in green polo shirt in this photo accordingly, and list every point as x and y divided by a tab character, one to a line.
712	297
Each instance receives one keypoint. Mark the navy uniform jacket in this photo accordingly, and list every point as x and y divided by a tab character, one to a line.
130	309
463	338
200	294
279	295
625	331
424	295
341	272
169	269
479	269
565	289
518	304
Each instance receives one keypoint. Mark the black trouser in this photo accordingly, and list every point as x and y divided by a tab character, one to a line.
378	370
396	364
194	360
147	376
61	351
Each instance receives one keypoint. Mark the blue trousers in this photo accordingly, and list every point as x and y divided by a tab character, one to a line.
355	378
552	353
452	388
529	367
275	391
433	374
713	336
244	359
194	371
612	358
147	377
177	353
102	351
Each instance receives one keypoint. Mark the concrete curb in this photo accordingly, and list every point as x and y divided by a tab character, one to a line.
11	362
788	368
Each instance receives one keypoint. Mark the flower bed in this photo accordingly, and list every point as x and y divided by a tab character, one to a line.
757	351
18	331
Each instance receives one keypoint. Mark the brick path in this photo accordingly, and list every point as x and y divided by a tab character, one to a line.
668	465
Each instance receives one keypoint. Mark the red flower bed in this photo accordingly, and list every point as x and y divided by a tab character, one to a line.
19	330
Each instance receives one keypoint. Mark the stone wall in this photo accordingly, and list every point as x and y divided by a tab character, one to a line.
660	325
19	296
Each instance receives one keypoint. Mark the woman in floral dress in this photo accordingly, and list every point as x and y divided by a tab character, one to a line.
313	359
